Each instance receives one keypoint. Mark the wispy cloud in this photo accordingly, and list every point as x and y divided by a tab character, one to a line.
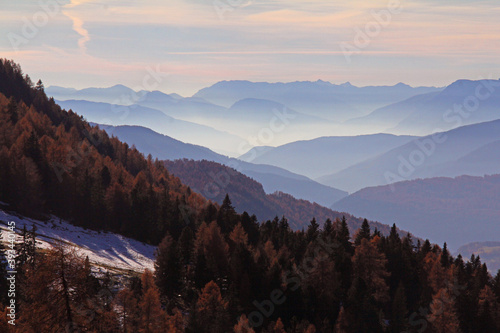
431	42
78	23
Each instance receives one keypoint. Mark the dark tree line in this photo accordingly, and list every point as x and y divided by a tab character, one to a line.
262	278
325	280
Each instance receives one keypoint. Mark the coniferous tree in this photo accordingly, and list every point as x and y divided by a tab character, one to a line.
243	326
52	291
211	310
278	327
186	243
363	233
151	314
12	110
445	256
343	235
174	323
342	325
328	227
127	310
168	269
312	230
226	217
496	285
369	265
488	311
443	316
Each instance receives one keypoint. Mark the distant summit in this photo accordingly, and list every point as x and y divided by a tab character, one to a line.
346	85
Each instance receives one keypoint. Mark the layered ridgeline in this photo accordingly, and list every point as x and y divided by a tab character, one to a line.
230	114
467	150
215	181
252	188
330	154
186	131
53	162
271	177
320	98
215	270
458	210
461	103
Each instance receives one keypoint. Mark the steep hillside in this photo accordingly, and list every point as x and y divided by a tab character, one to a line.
106	251
457	210
214	181
53	162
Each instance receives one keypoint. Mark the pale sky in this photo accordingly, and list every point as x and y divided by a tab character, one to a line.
83	43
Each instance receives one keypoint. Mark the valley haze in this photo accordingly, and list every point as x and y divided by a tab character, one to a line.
326	146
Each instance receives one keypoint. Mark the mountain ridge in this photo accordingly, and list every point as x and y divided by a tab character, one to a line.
456	210
435	153
273	178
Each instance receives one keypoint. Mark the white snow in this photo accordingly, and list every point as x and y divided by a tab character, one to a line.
106	250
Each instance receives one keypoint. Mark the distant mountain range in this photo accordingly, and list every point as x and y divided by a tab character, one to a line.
231	117
320	98
222	129
160	146
461	103
325	155
112	114
272	178
455	210
467	150
259	113
118	94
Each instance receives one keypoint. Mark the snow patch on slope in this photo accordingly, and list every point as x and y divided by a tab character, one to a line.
104	249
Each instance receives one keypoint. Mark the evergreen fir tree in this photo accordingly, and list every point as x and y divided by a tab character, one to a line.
445	256
363	233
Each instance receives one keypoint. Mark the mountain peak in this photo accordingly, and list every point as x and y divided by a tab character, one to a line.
120	86
465	86
402	85
346	85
